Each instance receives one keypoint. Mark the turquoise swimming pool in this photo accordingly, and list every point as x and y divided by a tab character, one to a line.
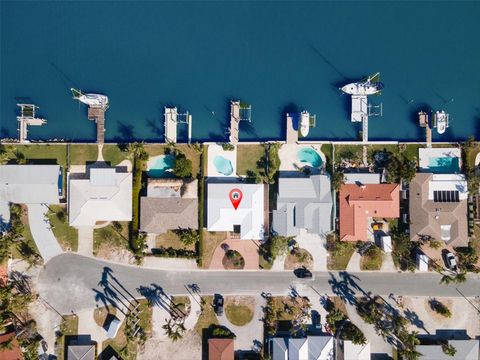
444	165
223	166
309	156
161	167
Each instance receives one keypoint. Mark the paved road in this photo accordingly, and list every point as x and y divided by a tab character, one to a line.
74	282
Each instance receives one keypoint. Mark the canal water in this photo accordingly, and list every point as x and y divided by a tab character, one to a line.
277	56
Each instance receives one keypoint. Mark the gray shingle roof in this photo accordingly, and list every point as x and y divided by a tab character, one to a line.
466	350
81	352
427	216
303	203
157	215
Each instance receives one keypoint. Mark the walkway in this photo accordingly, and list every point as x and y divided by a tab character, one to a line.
85	241
42	233
354	262
316	246
247	248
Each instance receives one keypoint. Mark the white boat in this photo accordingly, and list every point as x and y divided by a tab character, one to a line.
94	100
441	121
304	123
370	86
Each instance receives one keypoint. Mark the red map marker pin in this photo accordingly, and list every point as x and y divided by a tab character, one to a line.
235	197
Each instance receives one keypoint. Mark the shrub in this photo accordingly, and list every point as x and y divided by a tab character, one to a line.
188	237
278	246
174	253
440	308
218	331
228	147
183	166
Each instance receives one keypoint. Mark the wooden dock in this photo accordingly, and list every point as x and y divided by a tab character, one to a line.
170	116
292	134
428	135
98	115
27	118
234	122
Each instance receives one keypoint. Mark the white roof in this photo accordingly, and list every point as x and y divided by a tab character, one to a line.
30	184
105	196
362	178
356	352
448	182
221	215
308	348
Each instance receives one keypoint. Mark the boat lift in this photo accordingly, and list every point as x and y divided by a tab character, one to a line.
172	119
26	118
238	112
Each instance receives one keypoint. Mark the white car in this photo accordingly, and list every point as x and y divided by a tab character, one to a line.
451	261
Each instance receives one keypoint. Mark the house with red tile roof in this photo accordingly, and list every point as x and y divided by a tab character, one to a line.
220	349
12	351
360	203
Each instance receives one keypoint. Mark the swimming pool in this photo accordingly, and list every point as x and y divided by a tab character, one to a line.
309	156
223	166
161	166
444	165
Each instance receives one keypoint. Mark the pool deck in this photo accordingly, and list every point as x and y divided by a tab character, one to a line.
152	160
217	150
289	159
425	154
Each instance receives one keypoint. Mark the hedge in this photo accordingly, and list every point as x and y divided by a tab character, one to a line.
174	253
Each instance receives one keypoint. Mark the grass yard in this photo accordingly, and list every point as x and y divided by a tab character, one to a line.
372	260
239	310
65	234
248	157
68	327
171	239
411	151
354	153
113	154
40	154
339	253
26	248
327	151
81	154
210	242
301	257
207	317
112	236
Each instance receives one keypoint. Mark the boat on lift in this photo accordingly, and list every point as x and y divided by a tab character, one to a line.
93	100
441	121
304	123
369	86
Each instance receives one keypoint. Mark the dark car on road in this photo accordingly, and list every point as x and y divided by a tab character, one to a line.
218	304
302	273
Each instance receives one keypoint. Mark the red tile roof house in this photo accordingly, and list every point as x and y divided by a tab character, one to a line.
359	203
220	349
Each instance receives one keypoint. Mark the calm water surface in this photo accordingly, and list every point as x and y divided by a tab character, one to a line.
274	55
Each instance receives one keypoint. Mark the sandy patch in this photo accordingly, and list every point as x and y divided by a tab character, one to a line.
189	347
122	256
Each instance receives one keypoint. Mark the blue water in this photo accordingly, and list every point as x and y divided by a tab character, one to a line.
277	56
223	166
444	165
162	167
310	156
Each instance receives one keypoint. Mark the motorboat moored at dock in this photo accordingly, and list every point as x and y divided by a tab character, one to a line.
440	121
369	86
93	100
304	123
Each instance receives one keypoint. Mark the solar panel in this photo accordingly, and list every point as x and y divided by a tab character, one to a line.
446	196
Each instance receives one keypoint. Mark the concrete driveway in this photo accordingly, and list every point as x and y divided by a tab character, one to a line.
41	231
316	245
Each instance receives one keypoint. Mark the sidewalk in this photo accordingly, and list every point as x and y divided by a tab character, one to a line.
85	241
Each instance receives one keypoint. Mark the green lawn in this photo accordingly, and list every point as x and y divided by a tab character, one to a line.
238	314
81	154
327	151
113	154
171	239
68	327
349	152
41	154
27	247
65	234
411	151
248	157
111	237
372	260
339	253
207	317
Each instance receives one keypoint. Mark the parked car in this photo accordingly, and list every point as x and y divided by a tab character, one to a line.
450	261
218	304
316	320
302	273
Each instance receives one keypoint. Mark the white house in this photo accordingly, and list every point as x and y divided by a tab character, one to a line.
106	195
247	220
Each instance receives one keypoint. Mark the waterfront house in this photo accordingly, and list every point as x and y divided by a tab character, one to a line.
360	204
28	184
170	204
103	194
305	348
465	350
438	208
81	352
303	203
220	349
247	221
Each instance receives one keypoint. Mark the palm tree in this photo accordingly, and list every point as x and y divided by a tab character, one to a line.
20	158
136	151
449	350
